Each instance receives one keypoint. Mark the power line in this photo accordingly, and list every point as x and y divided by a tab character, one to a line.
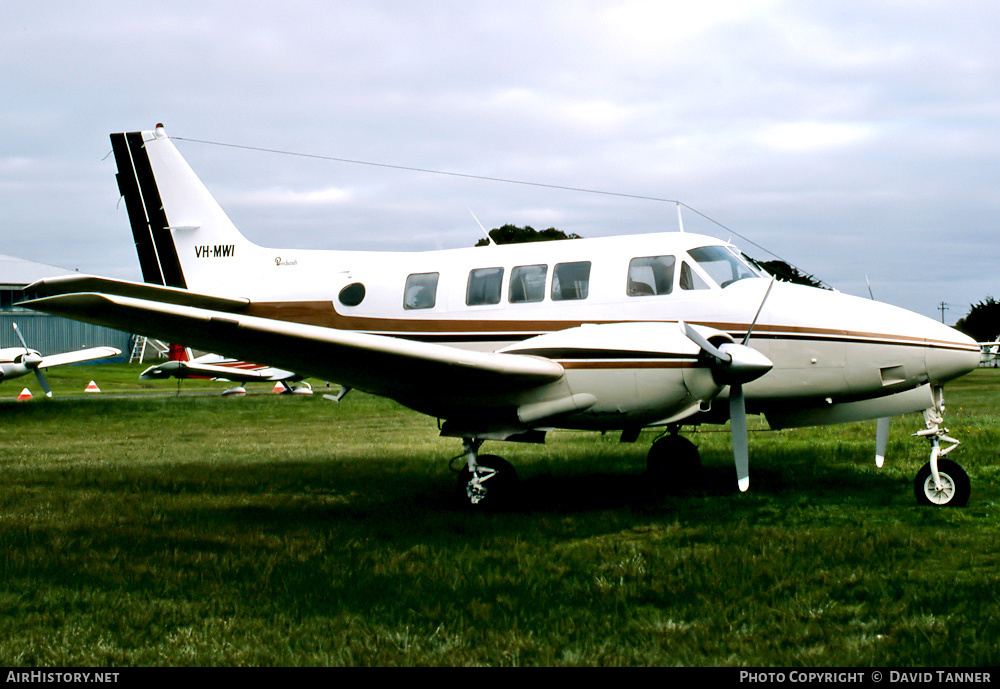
942	307
484	178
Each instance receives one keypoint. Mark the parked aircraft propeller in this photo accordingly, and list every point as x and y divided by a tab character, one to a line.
31	361
734	365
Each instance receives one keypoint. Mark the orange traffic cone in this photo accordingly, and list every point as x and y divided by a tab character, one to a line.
92	387
278	388
24	396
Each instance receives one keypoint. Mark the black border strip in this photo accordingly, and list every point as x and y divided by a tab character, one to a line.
166	252
129	188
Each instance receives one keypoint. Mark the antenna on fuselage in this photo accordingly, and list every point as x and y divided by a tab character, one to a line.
680	218
488	237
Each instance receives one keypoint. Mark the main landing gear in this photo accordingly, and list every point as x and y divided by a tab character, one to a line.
485	480
673	460
940	482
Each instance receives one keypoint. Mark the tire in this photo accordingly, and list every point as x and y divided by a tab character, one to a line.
956	484
500	488
673	459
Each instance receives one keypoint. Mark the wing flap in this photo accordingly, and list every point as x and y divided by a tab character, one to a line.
388	366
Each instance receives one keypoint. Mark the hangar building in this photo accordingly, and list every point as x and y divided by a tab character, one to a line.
48	334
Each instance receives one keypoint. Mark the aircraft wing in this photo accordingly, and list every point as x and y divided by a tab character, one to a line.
78	356
188	369
391	367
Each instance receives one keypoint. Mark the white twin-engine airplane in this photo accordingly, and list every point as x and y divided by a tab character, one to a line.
506	342
20	361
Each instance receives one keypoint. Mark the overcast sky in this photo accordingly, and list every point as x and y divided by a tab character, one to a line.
849	138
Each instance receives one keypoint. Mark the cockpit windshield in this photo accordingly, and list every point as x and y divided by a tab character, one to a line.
722	265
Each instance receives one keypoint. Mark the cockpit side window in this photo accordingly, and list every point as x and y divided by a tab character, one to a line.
650	276
690	279
420	291
722	265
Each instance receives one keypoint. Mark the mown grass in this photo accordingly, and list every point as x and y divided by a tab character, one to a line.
278	530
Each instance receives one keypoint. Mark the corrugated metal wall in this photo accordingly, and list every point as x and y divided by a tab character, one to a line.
52	335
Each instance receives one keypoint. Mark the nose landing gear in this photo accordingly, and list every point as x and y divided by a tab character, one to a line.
940	482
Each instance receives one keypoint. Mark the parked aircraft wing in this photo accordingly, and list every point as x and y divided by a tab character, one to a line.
78	356
187	369
388	366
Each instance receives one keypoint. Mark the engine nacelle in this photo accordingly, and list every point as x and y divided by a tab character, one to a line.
638	373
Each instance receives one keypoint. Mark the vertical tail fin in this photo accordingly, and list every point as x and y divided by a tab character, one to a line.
182	236
157	253
179	353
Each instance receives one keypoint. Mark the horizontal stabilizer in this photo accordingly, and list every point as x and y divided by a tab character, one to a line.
74	284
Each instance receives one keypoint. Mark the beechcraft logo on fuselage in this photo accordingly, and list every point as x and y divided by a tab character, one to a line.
217	251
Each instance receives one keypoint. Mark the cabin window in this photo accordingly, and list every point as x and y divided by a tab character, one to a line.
421	291
352	295
691	279
722	265
651	276
527	284
484	286
571	281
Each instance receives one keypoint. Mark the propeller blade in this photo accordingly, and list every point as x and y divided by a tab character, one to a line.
705	345
44	383
881	439
17	331
735	364
738	431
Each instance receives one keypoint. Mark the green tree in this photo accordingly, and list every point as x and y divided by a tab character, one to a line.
983	321
512	234
788	273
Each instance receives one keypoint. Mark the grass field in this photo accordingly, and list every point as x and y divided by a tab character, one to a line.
193	529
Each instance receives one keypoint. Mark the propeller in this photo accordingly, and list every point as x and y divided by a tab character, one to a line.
734	365
31	361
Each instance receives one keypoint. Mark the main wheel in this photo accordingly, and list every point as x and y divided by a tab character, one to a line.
492	490
955	487
673	459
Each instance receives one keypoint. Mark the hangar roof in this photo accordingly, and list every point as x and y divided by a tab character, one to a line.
19	272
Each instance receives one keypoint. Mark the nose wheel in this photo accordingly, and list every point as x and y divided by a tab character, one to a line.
951	488
940	482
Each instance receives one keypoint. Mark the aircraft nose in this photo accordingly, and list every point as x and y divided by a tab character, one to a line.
951	355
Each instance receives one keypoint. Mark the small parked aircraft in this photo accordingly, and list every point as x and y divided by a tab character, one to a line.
183	364
506	342
990	352
20	361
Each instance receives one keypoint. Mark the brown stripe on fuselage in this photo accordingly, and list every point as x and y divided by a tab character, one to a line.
323	313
